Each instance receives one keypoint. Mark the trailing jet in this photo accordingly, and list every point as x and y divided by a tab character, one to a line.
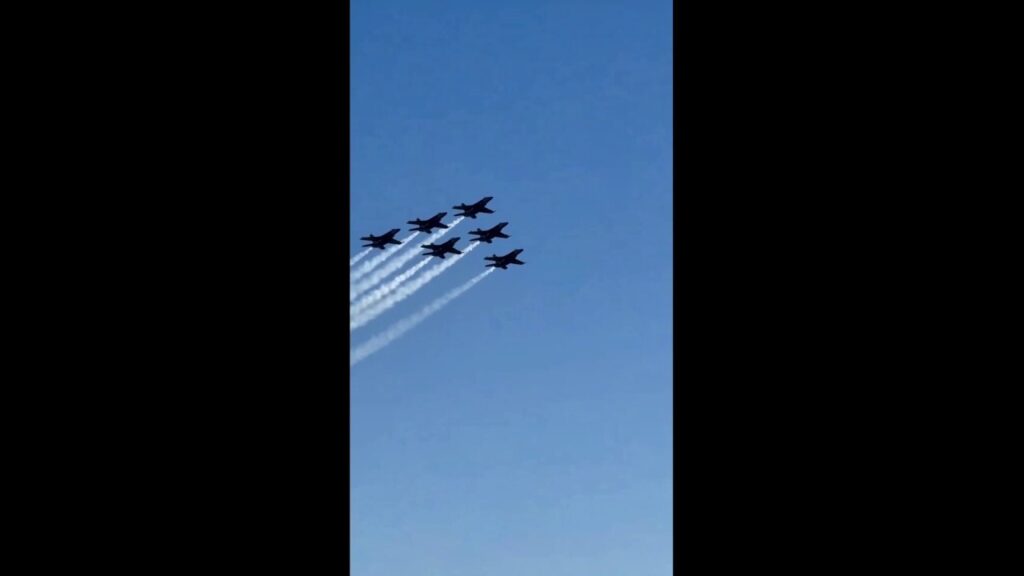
440	250
503	261
471	210
429	224
488	235
381	241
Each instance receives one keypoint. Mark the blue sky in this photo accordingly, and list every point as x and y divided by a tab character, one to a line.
525	428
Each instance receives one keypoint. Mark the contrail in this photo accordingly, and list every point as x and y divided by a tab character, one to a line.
358	257
402	326
377	260
357	288
407	290
382	291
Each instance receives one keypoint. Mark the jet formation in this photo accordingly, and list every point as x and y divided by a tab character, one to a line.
439	250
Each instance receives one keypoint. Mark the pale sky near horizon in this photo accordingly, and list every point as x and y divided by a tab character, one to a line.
526	428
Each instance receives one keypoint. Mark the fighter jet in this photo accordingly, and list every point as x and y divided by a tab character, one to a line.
381	241
471	210
503	261
488	235
429	224
440	250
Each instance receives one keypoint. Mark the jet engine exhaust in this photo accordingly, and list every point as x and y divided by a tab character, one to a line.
381	291
358	257
407	290
372	263
402	326
358	288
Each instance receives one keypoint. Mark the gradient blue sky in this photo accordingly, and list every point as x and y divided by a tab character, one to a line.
526	428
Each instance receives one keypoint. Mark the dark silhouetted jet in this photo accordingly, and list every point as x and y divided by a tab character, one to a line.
440	250
488	235
428	224
381	241
471	210
503	261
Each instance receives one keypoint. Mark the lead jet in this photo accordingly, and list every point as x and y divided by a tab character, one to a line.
381	241
429	224
488	235
503	261
440	250
471	210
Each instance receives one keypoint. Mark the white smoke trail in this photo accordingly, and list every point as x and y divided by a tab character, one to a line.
357	288
358	257
402	326
406	290
377	260
381	291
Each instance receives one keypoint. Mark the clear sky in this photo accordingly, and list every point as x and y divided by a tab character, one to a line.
525	428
